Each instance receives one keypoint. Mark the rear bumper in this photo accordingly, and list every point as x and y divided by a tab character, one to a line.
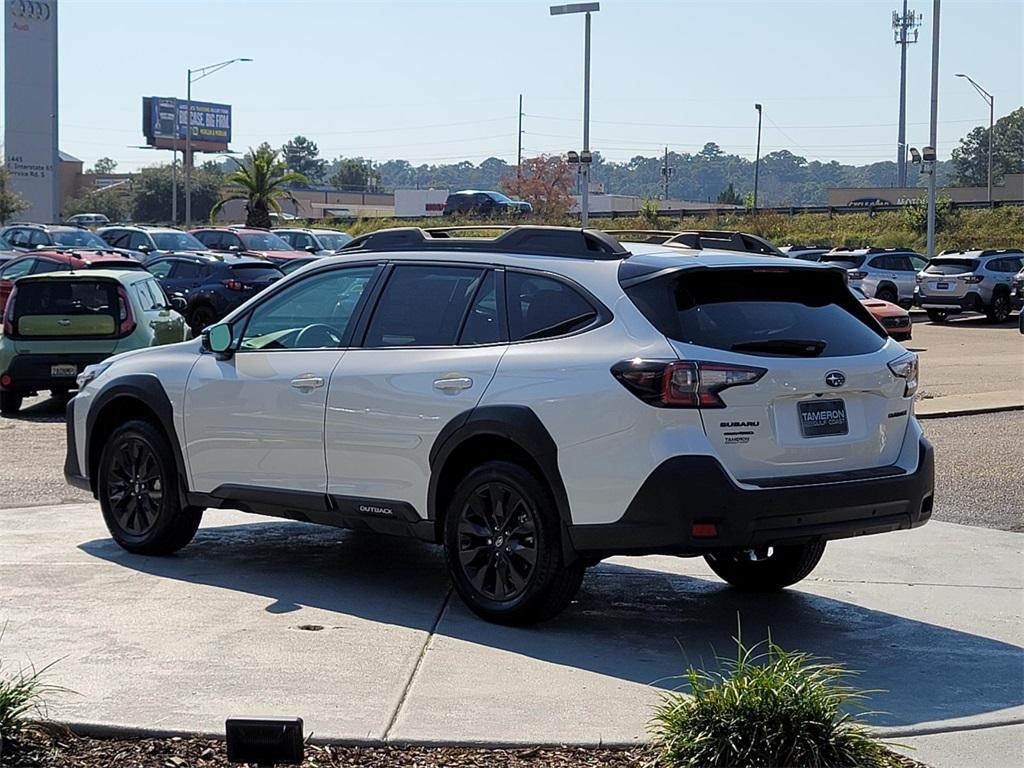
31	372
685	490
970	302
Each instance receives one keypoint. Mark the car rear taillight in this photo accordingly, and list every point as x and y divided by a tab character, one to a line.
682	383
906	368
124	312
854	275
973	279
234	285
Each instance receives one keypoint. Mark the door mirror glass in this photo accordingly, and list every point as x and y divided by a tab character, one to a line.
219	337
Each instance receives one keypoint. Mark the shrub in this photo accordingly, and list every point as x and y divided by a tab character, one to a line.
765	708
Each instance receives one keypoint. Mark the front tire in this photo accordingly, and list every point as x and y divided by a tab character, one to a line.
502	536
137	486
938	315
201	317
999	310
767	569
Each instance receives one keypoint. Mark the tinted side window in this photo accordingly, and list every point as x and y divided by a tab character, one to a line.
115	237
209	239
423	306
880	262
136	239
188	270
18	237
45	265
311	314
38	237
540	307
483	325
229	239
17	268
160	269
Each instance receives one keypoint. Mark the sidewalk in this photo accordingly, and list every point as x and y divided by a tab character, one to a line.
362	637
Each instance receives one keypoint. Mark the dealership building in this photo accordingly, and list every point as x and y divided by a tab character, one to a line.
1010	188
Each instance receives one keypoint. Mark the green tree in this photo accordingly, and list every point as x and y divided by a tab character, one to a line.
729	196
354	173
112	202
303	156
261	179
152	187
103	166
11	202
970	159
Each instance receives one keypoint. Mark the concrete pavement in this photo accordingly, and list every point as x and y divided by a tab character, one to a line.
362	637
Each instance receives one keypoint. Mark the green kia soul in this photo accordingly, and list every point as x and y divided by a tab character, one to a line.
57	323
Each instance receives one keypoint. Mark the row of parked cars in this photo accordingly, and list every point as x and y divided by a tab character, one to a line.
70	297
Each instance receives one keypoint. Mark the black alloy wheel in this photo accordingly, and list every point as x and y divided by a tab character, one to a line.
136	486
999	312
497	548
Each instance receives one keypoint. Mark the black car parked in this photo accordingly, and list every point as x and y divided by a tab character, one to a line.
473	202
212	284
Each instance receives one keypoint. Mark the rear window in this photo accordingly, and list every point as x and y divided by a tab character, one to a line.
66	308
848	261
255	273
950	266
784	313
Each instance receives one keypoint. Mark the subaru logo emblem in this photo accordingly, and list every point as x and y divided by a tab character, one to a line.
835	378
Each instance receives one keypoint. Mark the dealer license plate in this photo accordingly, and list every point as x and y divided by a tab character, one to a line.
819	418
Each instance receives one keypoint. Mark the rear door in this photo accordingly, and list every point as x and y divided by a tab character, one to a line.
826	401
430	350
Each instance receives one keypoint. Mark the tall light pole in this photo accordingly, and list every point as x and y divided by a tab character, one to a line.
757	156
195	75
584	167
933	130
991	124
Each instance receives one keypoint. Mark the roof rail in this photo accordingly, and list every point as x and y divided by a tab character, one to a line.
652	236
994	251
525	239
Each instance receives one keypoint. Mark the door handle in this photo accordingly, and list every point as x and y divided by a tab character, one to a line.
308	381
453	384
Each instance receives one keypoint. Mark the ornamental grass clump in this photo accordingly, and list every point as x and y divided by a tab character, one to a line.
767	707
22	699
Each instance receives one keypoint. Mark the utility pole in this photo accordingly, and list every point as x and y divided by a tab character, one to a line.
904	27
933	132
757	156
666	174
519	152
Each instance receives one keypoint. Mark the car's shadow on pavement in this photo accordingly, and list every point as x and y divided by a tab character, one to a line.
630	623
48	410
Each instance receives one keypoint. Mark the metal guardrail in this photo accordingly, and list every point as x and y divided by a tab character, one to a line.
795	209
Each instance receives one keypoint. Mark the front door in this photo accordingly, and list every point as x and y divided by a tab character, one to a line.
430	350
256	419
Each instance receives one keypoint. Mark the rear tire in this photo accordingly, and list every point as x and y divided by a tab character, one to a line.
999	309
938	315
887	294
10	402
137	486
201	317
503	543
776	568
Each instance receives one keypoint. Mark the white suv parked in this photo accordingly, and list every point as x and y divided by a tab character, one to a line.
535	403
887	274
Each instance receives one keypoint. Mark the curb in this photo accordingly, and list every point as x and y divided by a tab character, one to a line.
970	411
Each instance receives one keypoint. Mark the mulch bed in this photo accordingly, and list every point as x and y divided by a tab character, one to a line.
65	750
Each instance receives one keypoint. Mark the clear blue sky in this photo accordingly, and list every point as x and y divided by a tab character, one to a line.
439	81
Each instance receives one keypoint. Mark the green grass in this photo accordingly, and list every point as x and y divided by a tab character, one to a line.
766	707
959	229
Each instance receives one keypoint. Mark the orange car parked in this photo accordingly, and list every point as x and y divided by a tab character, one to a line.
894	318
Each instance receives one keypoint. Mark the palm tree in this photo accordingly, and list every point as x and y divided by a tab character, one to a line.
260	179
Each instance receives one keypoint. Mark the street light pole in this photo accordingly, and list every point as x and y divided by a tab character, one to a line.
584	167
195	75
991	125
757	156
933	129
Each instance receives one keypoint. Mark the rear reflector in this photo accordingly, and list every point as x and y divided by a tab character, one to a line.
6	380
703	530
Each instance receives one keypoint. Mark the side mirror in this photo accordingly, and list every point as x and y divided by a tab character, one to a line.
41	247
217	338
310	249
143	248
234	248
178	303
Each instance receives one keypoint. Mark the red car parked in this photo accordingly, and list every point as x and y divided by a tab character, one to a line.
249	242
37	262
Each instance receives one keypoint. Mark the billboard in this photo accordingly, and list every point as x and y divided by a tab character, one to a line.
30	105
165	121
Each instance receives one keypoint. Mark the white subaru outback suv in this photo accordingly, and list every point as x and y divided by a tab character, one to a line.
534	402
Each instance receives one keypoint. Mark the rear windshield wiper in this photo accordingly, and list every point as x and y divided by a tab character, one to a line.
794	347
